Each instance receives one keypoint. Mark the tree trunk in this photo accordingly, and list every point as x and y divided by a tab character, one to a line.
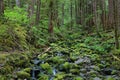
116	22
38	12
111	14
51	17
96	17
31	11
1	7
17	3
71	14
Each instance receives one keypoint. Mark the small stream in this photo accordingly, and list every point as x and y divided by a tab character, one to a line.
61	66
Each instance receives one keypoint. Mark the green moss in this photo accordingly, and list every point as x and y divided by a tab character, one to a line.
6	69
110	78
47	67
23	75
27	70
43	77
3	57
75	71
67	65
18	60
78	78
57	60
2	77
60	76
12	36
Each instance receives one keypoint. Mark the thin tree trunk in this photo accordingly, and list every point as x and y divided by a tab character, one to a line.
96	17
17	3
1	7
51	15
116	23
71	14
63	14
38	12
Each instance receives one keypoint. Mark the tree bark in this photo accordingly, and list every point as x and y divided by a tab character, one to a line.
17	3
51	16
38	12
116	22
1	7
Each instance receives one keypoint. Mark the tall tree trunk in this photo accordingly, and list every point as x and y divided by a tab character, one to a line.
111	13
116	22
51	16
96	17
1	7
71	14
63	13
104	20
17	3
76	12
38	12
31	11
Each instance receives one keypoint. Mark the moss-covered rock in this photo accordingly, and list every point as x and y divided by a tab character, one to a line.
3	57
2	77
56	60
23	75
28	70
110	78
18	60
75	71
6	69
78	78
47	67
60	76
43	77
67	65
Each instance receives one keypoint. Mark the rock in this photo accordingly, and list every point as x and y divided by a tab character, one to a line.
92	73
83	60
75	71
107	71
56	60
36	61
83	70
95	67
110	78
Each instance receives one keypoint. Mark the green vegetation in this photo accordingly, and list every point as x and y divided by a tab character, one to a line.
59	40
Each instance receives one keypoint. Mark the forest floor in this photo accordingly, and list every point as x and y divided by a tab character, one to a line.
75	58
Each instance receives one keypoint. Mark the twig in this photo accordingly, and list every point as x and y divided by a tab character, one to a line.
45	51
115	57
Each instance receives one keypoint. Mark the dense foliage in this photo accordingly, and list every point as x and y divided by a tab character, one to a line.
59	40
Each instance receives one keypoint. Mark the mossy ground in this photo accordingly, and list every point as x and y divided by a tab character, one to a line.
74	58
